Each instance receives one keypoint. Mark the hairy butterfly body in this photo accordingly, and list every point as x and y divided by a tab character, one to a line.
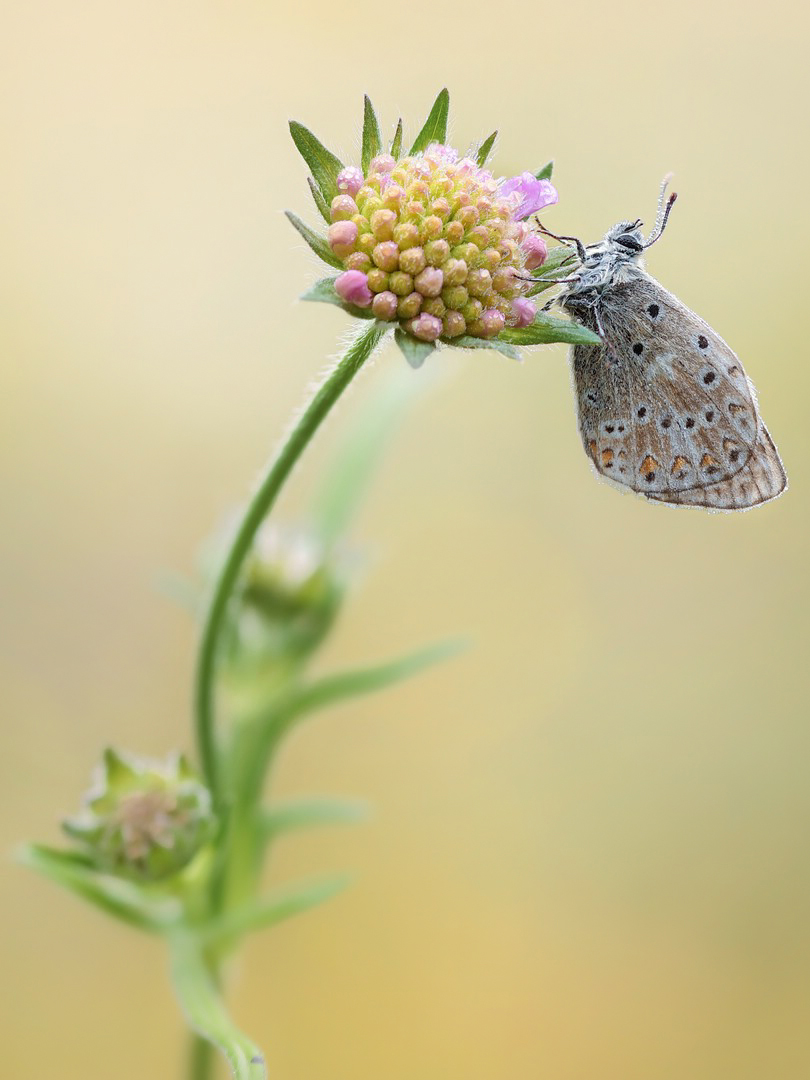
665	407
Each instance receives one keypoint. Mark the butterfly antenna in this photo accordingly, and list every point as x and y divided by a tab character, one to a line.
664	208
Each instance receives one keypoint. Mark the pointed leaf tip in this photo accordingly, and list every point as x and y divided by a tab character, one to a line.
323	164
396	142
372	140
546	171
414	351
485	149
317	242
435	127
319	200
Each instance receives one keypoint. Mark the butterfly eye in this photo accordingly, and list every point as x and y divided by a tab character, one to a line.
630	242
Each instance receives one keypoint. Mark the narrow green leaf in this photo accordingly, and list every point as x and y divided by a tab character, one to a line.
560	255
372	140
333	689
320	202
292	814
415	352
485	149
546	171
323	292
317	242
546	329
205	1012
396	142
122	899
269	910
323	164
269	726
497	344
435	128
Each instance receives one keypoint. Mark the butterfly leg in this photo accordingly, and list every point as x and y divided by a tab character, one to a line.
564	239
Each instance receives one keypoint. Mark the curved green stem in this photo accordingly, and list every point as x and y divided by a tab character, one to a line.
258	507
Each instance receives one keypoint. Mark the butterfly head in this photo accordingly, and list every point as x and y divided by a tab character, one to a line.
625	238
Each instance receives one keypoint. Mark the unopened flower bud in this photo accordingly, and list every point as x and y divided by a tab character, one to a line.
382	224
144	820
352	287
429	282
412	260
386	255
384	305
523	311
453	324
350	180
493	322
343	208
535	250
425	327
409	306
342	237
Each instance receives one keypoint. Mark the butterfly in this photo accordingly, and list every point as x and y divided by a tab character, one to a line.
664	405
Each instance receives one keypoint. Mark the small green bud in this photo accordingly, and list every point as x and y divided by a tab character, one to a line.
453	324
144	820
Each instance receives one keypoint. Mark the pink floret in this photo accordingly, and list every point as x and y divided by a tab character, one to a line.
352	287
533	194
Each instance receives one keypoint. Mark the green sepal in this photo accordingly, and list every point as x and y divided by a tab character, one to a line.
320	202
269	910
122	899
323	164
556	265
323	292
290	815
317	242
498	344
396	142
546	329
435	128
414	351
545	172
372	140
485	149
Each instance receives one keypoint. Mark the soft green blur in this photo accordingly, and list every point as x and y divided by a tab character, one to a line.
589	855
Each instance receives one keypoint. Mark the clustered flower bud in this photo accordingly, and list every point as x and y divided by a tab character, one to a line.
144	820
437	244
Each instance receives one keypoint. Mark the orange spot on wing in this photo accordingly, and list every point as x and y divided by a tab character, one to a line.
607	458
680	465
649	464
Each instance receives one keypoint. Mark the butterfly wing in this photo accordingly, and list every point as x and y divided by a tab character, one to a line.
666	408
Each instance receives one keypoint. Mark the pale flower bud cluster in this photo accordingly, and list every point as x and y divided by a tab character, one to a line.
437	244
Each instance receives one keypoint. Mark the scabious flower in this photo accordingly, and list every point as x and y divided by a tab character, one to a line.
435	243
431	241
143	820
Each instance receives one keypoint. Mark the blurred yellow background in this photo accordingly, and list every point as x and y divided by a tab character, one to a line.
589	853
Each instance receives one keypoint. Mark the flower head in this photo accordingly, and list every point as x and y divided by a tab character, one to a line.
144	820
430	240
